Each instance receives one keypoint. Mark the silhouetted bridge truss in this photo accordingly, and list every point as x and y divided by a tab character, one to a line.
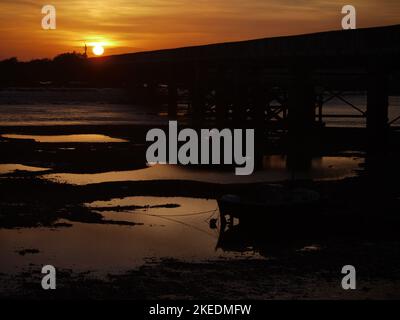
281	83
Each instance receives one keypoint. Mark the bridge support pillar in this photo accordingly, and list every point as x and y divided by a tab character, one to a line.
172	100
301	122
198	104
222	83
221	104
198	100
151	94
260	100
239	105
301	105
377	110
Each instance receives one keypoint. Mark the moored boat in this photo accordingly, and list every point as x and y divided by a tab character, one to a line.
275	204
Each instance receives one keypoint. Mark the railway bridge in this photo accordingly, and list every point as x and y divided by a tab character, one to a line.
280	83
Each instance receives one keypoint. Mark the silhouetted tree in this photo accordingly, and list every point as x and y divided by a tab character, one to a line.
66	69
70	67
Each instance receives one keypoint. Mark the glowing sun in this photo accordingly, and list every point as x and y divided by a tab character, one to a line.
98	49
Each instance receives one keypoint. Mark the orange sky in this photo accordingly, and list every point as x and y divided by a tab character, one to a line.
137	25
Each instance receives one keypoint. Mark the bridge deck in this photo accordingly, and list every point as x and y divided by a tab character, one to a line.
368	42
243	79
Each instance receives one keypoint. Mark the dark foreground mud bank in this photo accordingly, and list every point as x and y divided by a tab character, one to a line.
305	274
359	227
364	234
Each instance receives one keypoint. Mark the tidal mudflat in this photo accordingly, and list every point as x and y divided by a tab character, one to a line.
76	138
117	241
274	171
123	229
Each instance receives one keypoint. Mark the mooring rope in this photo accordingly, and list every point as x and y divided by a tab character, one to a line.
175	215
170	218
166	217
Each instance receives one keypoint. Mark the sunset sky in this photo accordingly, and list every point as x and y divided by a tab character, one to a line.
136	25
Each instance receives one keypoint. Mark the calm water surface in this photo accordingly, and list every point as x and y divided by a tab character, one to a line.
274	170
71	138
181	233
6	168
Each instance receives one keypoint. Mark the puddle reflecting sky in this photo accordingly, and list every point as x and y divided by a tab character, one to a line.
73	138
6	168
274	170
182	233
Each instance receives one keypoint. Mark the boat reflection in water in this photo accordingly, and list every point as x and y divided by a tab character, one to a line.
273	216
